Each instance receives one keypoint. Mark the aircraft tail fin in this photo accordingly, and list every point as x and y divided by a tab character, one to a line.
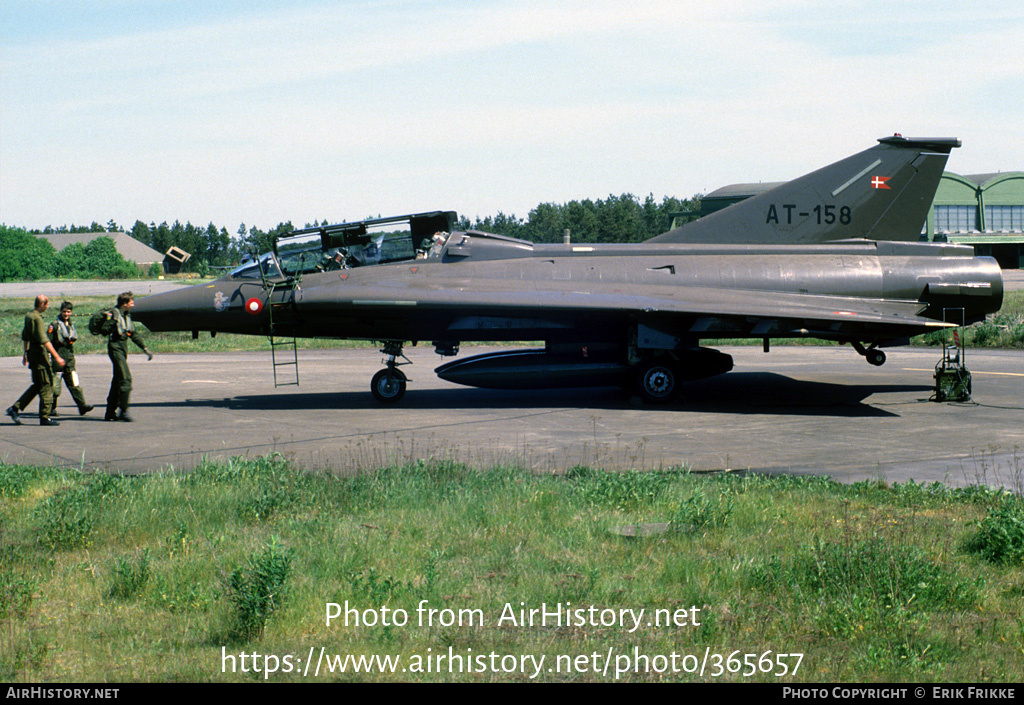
882	193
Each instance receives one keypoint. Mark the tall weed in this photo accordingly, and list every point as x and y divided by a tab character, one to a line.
699	512
16	588
258	589
870	584
1000	535
66	519
618	490
129	577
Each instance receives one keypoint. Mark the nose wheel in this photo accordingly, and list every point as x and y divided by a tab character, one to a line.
388	385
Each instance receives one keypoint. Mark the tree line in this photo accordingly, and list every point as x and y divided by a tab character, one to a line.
614	219
622	218
24	256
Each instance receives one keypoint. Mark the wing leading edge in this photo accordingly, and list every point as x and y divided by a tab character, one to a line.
699	311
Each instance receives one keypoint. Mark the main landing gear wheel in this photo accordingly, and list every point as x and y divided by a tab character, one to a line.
388	385
657	382
873	355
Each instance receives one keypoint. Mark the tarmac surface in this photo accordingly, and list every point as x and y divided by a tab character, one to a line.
58	290
800	410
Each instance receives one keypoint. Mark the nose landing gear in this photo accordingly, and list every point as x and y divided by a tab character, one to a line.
388	385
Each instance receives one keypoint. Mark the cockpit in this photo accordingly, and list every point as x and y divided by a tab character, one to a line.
364	243
349	245
264	267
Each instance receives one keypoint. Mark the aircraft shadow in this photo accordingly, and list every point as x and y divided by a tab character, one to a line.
735	393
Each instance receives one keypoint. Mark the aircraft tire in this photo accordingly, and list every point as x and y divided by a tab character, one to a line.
388	386
657	381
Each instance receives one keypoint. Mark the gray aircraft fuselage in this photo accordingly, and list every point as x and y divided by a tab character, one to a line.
609	314
584	288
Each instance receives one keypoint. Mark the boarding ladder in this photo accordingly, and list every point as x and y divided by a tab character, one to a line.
281	314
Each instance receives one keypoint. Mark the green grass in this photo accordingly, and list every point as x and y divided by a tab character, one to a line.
156	578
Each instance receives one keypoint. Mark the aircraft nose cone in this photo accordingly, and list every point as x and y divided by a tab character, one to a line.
224	306
171	310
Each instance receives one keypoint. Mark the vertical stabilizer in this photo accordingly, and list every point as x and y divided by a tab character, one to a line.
882	193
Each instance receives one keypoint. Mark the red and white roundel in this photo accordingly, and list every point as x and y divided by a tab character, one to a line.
254	306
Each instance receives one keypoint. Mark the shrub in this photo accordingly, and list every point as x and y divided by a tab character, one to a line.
23	256
70	262
1017	336
257	590
103	260
985	334
26	257
1000	536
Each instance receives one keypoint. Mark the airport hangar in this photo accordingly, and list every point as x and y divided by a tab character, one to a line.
983	210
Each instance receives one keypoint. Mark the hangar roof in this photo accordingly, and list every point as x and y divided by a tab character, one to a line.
129	247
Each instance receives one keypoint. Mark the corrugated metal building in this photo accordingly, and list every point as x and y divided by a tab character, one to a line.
983	210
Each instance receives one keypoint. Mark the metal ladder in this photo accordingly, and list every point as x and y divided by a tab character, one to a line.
285	343
281	342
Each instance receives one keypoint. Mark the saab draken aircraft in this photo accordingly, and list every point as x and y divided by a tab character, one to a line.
833	255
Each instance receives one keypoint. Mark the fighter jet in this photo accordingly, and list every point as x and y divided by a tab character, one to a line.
833	255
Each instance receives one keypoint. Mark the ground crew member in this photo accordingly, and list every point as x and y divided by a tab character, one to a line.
38	350
122	329
63	335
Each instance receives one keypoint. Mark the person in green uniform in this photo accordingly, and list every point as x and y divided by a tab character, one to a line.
63	335
122	329
38	351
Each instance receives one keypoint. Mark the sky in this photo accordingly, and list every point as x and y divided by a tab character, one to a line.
267	111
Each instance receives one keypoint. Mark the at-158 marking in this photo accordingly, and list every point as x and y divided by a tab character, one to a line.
824	214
